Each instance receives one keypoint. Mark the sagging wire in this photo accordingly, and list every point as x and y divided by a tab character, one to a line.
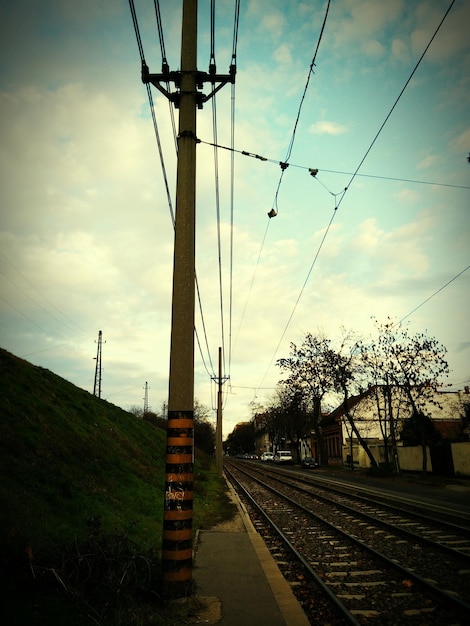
232	178
251	284
350	182
285	164
212	71
165	67
160	150
315	171
434	294
150	99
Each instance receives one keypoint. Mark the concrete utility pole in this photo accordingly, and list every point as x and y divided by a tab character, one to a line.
97	384
177	545
218	431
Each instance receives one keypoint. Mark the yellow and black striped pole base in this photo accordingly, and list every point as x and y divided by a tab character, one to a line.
177	549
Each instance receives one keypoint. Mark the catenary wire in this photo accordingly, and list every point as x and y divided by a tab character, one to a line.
212	35
232	206
253	155
226	349
158	17
212	70
398	98
251	284
236	21
335	211
219	242
434	294
136	29
149	94
284	164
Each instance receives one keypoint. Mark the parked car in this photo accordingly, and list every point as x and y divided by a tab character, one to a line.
267	457
309	462
283	456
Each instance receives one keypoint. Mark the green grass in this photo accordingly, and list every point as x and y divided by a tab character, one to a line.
81	505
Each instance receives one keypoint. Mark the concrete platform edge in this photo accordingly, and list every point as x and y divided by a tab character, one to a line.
288	604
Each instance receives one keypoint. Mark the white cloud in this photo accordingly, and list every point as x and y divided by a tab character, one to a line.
273	23
360	22
283	55
462	142
408	196
328	128
400	50
373	48
84	210
452	37
427	162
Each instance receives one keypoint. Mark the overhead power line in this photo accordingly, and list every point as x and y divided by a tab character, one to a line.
335	211
232	176
30	284
217	78
285	164
165	68
27	317
314	171
434	294
159	144
397	100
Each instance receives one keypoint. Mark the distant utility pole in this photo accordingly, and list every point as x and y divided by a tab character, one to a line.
146	398
218	431
177	548
97	385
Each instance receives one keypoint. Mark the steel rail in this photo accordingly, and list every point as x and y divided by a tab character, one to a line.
390	526
452	600
383	498
338	605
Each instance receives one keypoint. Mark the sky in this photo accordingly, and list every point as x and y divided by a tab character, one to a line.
86	235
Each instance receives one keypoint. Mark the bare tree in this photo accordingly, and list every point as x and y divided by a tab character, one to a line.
349	380
309	369
388	405
345	382
414	363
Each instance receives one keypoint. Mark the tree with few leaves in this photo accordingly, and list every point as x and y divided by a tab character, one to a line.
309	372
387	403
349	371
415	364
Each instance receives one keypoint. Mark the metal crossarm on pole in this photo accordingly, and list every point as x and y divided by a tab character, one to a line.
179	477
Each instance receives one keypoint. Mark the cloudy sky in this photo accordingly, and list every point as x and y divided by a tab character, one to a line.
86	233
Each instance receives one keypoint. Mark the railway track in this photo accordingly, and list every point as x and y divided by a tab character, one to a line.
412	523
374	566
395	502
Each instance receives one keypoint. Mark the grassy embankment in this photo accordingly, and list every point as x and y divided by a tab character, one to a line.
81	505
